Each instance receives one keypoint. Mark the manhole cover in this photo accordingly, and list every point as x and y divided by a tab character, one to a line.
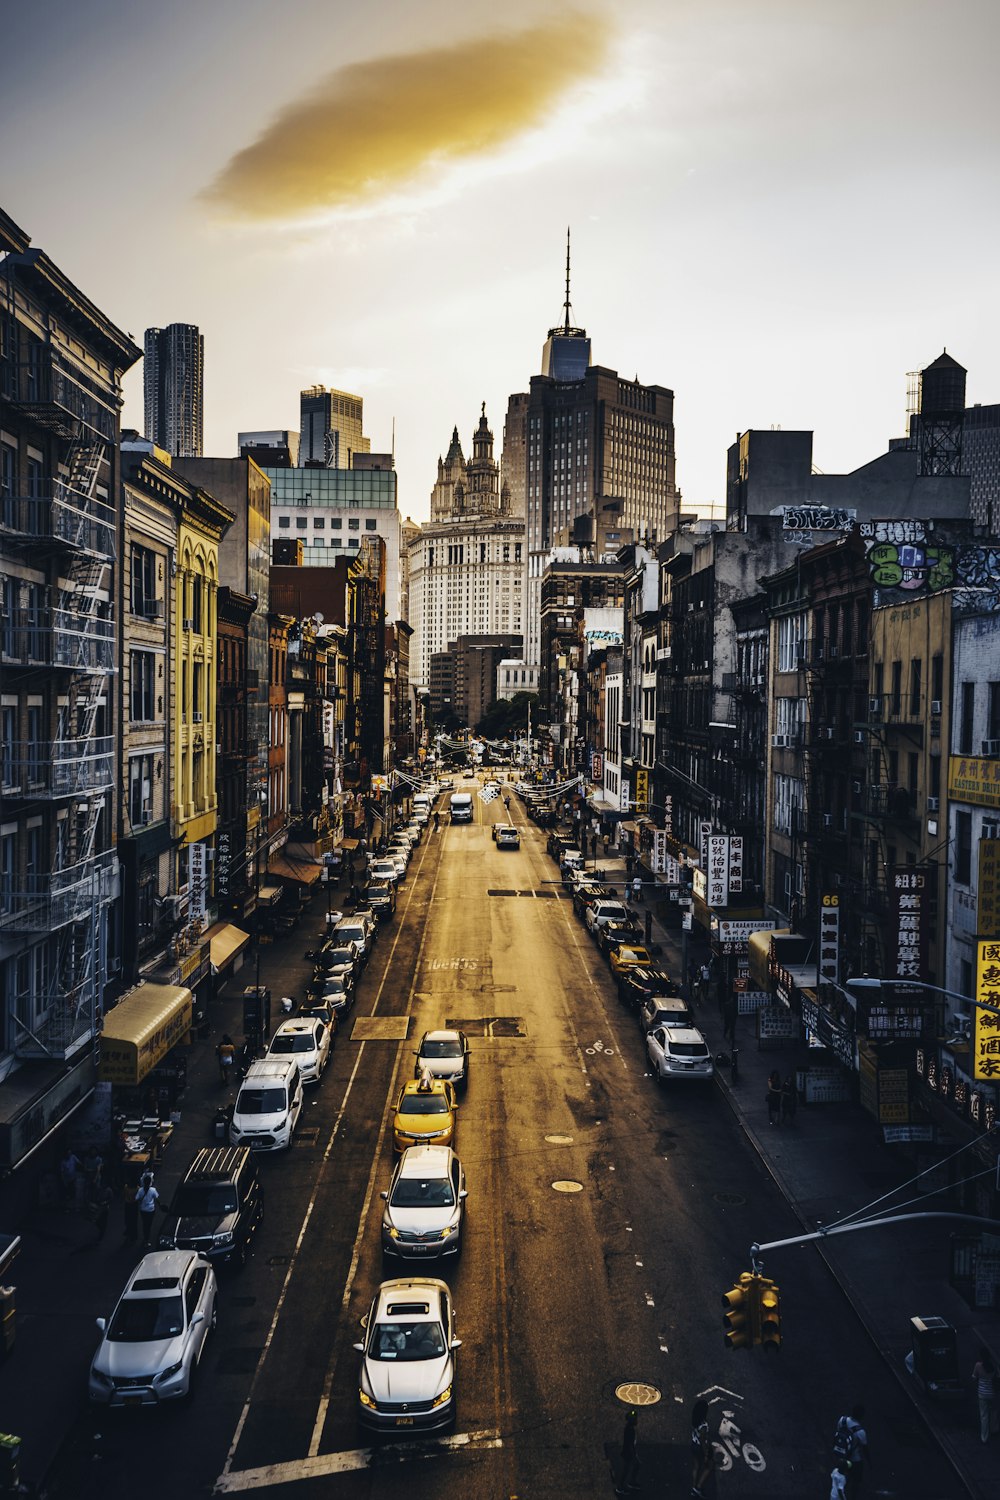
637	1393
559	1140
729	1197
380	1029
565	1186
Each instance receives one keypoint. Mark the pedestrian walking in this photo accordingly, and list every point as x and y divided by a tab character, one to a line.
702	1456
226	1054
69	1176
146	1198
93	1171
773	1098
637	889
100	1207
629	1481
629	865
852	1435
985	1375
789	1100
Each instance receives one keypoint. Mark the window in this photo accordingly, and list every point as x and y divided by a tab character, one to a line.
791	635
8	472
337	523
197	589
35	748
993	711
963	848
353	523
142	666
140	790
916	685
301	522
143	600
896	690
8	735
968	710
937	678
284	523
7	872
370	525
319	523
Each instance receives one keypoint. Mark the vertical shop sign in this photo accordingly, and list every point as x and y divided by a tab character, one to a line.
736	865
704	833
829	938
988	918
717	872
986	1048
222	864
660	853
197	864
910	900
668	813
641	789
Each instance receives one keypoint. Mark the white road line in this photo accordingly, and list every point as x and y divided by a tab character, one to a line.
324	1400
351	1461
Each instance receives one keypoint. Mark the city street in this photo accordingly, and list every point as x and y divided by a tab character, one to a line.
562	1295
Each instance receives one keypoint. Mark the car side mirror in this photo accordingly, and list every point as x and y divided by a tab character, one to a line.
198	1318
363	1320
456	1343
102	1323
464	1193
360	1348
384	1195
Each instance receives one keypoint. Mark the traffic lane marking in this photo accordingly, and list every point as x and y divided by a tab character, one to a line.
352	1460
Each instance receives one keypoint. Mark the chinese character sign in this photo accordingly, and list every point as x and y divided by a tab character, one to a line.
829	938
986	1048
642	788
660	854
735	865
668	813
909	894
717	870
223	864
704	829
197	870
989	888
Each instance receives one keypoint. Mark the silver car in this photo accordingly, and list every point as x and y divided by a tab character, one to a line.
154	1339
407	1378
444	1054
424	1205
679	1052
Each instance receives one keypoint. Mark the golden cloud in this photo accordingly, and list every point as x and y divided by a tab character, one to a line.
371	127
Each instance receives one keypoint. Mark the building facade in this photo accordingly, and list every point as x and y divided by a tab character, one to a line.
331	428
174	389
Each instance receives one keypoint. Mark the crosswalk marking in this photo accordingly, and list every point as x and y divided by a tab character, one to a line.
350	1461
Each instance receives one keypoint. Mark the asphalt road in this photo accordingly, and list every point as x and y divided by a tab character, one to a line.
561	1296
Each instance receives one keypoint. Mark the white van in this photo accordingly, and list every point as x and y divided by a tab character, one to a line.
422	803
268	1105
461	807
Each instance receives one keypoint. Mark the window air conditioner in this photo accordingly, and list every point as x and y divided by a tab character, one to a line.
875	708
188	624
933	804
859	736
991	747
936	707
779	741
828	820
197	716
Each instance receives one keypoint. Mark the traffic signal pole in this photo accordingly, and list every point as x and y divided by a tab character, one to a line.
829	1230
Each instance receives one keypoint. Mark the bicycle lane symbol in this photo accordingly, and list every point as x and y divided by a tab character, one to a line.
600	1048
728	1447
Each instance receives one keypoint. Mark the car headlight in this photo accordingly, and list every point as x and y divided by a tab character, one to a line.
366	1400
171	1370
447	1233
444	1396
225	1238
392	1231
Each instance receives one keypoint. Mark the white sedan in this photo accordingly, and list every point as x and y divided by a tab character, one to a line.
308	1041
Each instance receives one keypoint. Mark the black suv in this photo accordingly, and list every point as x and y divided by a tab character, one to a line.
381	897
217	1207
636	985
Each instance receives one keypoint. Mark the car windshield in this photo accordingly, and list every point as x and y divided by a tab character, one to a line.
139	1320
450	1048
688	1049
195	1200
353	935
334	987
406	1341
424	1104
337	956
260	1101
434	1192
295	1041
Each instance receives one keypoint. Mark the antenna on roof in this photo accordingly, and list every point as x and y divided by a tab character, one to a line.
566	303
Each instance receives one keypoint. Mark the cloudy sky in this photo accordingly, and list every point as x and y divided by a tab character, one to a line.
779	207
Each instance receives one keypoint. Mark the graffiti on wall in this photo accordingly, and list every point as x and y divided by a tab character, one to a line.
908	557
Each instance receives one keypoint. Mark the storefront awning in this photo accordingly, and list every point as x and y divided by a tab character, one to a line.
759	955
349	844
227	943
305	874
141	1029
268	895
629	827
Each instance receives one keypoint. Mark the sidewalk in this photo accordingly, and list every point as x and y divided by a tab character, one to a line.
830	1161
65	1278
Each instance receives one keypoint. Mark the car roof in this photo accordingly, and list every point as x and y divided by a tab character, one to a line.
411	1297
667	1002
163	1266
420	1086
444	1034
685	1034
425	1161
269	1067
293	1027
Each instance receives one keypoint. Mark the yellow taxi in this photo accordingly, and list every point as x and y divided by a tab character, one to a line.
425	1112
628	956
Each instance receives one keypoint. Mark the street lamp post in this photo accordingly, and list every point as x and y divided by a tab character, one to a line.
866	983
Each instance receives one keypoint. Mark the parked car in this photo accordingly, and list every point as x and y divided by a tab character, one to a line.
425	1111
614	934
332	990
679	1053
585	892
389	869
599	913
306	1040
268	1105
629	956
664	1010
153	1342
337	957
424	1205
322	1009
358	929
381	897
635	986
416	828
444	1054
407	1378
217	1207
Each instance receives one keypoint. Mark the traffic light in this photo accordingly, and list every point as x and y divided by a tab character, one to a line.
769	1314
739	1318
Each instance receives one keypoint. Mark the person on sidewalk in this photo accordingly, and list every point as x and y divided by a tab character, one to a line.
147	1198
637	889
226	1054
629	1481
838	1483
789	1100
985	1375
702	1456
858	1457
774	1097
100	1206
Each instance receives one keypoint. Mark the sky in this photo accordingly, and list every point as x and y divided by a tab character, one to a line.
778	207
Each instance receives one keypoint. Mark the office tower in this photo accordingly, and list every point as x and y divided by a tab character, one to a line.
173	384
592	443
330	428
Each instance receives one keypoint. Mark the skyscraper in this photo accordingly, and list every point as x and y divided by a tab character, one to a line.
584	442
331	428
173	385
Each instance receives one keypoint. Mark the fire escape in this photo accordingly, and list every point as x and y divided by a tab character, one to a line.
60	634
